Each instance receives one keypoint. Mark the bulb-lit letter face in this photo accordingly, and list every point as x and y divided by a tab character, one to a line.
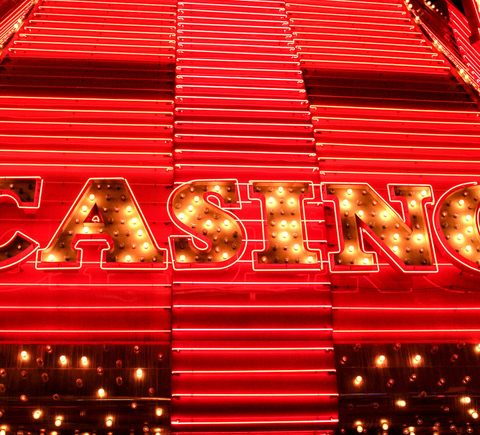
26	193
216	236
456	225
283	218
361	212
106	214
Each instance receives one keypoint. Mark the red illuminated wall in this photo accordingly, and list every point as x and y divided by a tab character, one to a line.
315	92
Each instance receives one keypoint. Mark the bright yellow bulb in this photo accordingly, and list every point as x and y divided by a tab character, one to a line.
24	354
196	199
280	189
101	393
423	193
63	359
129	209
417	359
296	247
226	222
84	361
460	236
92	197
468	217
345	202
283	223
37	414
128	258
109	422
401	403
385	214
225	255
294	223
310	259
395	249
349	191
474	415
159	412
468	248
51	257
139	373
413	203
208	223
385	426
217	188
351	248
466	399
84	208
359	428
140	233
271	200
420	237
461	202
358	380
395	236
181	215
360	213
381	359
470	229
85	230
365	261
190	208
284	234
292	201
58	421
134	221
182	257
145	245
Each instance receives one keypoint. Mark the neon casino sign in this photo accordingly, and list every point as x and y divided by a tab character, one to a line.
210	236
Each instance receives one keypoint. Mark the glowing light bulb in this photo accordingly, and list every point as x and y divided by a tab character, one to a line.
284	234
140	233
84	208
468	248
461	202
24	355
460	236
365	261
310	259
196	199
92	197
217	188
283	223
468	217
359	428
139	373
182	257
208	223
37	414
190	208
101	393
395	249
401	403
477	347
420	237
360	213
181	215
280	189
226	222
385	214
413	203
145	245
381	359
470	229
395	236
474	414
423	193
58	421
349	191
128	257
292	201
465	399
271	200
294	223
85	230
225	255
358	380
296	247
51	257
134	221
351	248
159	412
385	426
129	209
109	422
84	361
345	202
417	359
63	360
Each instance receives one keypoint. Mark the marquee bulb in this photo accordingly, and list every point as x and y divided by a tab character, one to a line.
283	223
84	208
345	202
349	191
101	393
139	373
196	199
58	421
24	355
182	257
401	403
280	189
129	209
358	380
51	257
159	412
140	233
381	359
217	188
360	213
365	261
84	361
284	234
128	258
181	215
461	202
63	360
92	197
226	222
413	203
296	247
310	259
294	223
225	255
145	245
134	221
417	359
270	200
37	414
423	193
190	208
208	223
85	230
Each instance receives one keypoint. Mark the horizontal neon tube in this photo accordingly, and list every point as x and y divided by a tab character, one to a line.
89	52
281	16
399	109
139	153
192	165
205	372
104	111
386	331
101	44
87	137
128	11
242	349
407	174
60	35
112	3
252	306
254	394
74	99
43	20
171	35
399	133
79	165
255	282
398	32
177	422
182	4
41	284
96	307
408	308
89	331
249	329
73	123
401	121
50	14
